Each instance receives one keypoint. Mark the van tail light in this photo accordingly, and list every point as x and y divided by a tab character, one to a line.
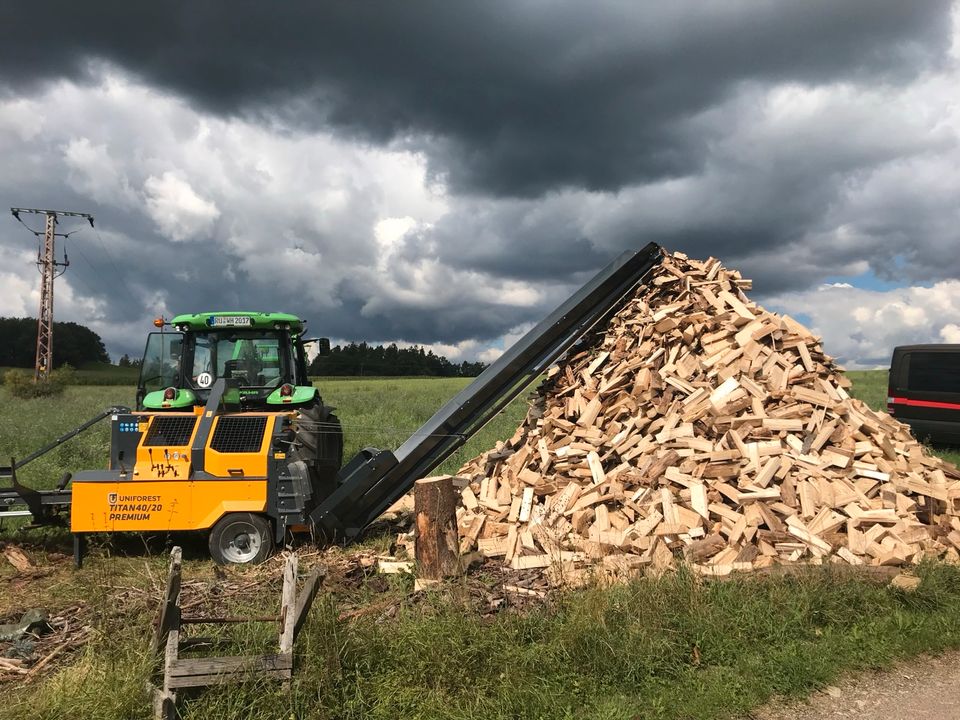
890	400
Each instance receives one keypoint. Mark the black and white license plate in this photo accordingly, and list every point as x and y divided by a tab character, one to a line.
230	321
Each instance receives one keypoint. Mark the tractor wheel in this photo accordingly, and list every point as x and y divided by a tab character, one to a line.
319	443
241	539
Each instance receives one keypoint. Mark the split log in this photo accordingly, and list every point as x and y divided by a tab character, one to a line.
16	557
698	424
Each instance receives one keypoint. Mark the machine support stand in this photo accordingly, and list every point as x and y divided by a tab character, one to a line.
79	549
183	670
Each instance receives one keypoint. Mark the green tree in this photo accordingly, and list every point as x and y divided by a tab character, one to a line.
73	344
361	359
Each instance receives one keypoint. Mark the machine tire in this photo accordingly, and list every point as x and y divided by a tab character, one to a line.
241	539
319	443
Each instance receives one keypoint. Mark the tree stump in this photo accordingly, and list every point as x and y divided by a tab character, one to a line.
437	547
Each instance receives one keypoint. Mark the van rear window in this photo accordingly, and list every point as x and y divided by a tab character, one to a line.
934	372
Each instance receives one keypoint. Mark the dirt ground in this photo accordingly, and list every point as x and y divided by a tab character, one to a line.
920	689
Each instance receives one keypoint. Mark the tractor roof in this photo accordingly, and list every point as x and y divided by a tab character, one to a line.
253	320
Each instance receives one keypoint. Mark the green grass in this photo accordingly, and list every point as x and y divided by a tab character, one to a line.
870	386
385	412
669	648
96	374
675	648
26	425
379	413
104	374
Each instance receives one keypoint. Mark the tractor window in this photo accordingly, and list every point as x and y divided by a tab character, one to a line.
253	358
203	356
161	361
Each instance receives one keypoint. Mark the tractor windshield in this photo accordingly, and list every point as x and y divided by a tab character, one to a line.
256	359
161	361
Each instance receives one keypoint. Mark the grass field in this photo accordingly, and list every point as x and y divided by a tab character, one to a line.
870	386
379	413
96	374
674	648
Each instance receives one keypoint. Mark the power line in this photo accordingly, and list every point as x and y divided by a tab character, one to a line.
49	267
117	274
90	291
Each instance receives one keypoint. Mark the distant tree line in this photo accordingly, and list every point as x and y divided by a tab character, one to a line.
73	344
126	361
363	359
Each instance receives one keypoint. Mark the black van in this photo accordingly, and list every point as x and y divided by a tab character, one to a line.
924	391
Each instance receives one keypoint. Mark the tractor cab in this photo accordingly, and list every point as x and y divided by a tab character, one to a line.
261	355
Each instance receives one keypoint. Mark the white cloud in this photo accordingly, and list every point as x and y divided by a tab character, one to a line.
861	327
950	333
92	172
20	120
179	212
288	220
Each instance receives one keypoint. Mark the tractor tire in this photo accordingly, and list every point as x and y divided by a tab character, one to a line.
318	442
241	539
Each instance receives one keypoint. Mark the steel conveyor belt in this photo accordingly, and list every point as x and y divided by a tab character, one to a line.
375	479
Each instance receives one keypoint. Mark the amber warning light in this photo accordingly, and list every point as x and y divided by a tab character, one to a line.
159	322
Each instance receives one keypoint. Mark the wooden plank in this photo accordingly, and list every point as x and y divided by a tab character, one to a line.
596	468
698	500
167	699
526	505
494	546
738	307
805	357
469	499
201	672
589	416
723	391
778	425
170	609
306	597
766	474
288	599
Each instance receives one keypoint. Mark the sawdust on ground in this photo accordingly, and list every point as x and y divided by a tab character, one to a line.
921	689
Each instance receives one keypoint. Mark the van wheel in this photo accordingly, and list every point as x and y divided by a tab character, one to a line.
241	539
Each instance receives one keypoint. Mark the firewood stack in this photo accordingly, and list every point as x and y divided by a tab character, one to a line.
697	425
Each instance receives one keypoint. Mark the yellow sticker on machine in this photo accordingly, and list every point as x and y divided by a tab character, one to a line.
155	505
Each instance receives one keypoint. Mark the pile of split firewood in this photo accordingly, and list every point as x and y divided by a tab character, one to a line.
697	425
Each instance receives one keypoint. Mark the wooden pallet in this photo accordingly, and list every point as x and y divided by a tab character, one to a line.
180	672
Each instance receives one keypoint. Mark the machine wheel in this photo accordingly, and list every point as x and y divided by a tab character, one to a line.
319	443
241	539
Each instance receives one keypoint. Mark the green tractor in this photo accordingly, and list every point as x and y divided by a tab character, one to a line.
263	359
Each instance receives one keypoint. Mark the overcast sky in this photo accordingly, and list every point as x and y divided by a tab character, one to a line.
446	173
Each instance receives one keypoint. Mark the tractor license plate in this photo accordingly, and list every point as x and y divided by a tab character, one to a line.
230	321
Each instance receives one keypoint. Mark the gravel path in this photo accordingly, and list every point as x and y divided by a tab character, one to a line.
923	689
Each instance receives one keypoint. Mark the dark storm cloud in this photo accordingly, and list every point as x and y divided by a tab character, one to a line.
558	134
507	98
